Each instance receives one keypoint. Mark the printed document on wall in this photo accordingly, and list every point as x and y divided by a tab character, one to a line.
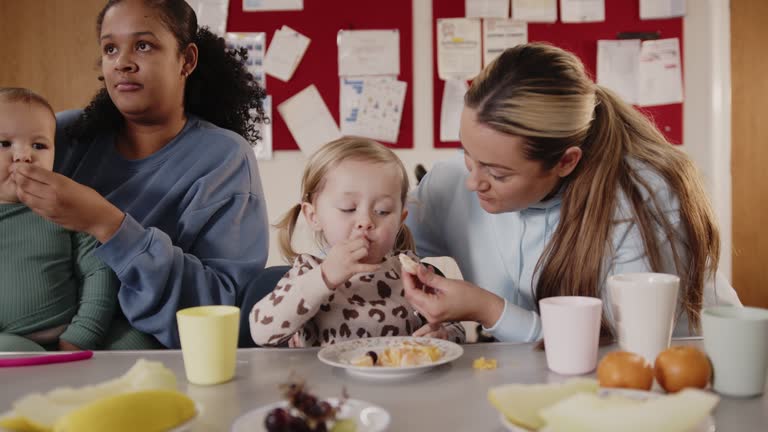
309	120
458	48
263	148
655	9
450	111
272	5
486	8
211	13
369	52
660	75
617	67
381	109
285	52
500	34
350	100
255	44
579	11
534	10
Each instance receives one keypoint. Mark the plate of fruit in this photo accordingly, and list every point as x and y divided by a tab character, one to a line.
390	357
619	399
301	411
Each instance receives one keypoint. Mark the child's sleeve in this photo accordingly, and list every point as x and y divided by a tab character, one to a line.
456	332
97	295
294	301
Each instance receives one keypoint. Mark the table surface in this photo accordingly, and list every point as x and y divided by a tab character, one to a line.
451	397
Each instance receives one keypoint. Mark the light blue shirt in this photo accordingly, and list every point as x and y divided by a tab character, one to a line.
499	252
195	230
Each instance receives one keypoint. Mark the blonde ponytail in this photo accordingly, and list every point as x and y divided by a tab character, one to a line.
286	226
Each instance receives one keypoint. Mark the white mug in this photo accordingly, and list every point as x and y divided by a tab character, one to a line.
736	341
643	306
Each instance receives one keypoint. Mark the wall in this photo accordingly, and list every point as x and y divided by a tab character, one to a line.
50	47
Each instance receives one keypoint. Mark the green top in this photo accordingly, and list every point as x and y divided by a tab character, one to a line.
49	277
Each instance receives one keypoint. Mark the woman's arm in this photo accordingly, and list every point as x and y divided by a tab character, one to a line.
159	278
441	299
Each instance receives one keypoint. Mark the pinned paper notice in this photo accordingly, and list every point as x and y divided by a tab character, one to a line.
255	44
285	52
578	11
369	52
660	75
534	10
617	67
655	9
263	148
500	34
212	14
372	107
458	48
486	8
450	112
272	5
309	120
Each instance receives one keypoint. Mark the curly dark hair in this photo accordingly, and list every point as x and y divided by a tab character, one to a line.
219	90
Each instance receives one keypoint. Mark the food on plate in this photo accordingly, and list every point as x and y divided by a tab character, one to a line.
307	413
626	370
521	403
684	366
406	353
146	410
483	363
679	412
42	411
408	264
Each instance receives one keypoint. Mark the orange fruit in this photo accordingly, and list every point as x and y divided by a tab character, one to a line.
684	366
626	370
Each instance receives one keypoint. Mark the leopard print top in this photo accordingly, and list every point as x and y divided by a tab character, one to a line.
303	311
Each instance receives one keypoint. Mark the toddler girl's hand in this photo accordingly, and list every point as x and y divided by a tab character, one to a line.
343	261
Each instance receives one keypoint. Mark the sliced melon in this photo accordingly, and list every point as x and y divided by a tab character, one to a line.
147	411
43	410
678	412
521	403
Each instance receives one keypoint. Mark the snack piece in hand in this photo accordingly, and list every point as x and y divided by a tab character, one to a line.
408	264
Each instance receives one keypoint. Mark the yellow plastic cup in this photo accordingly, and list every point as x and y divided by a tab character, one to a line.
209	342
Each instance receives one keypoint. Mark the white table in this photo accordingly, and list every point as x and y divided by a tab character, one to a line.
448	398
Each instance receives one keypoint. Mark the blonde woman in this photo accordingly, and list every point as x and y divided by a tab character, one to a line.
353	196
560	185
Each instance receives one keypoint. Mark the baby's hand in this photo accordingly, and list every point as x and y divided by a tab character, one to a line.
66	346
343	261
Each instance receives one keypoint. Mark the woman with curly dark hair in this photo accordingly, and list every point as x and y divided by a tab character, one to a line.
158	167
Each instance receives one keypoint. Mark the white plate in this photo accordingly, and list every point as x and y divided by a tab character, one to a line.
369	417
340	355
707	425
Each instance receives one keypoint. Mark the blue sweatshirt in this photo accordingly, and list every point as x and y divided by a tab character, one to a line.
195	228
499	252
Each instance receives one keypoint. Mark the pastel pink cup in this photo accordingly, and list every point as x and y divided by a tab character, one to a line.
571	327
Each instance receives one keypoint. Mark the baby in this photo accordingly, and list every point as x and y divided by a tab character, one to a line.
56	294
353	198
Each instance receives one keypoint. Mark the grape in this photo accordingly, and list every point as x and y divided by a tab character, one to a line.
277	420
373	356
298	425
